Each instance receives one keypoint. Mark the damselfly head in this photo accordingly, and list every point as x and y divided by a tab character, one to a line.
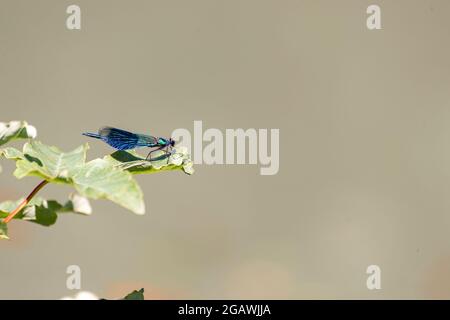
172	142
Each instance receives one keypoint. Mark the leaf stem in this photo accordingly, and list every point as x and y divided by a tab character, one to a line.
25	201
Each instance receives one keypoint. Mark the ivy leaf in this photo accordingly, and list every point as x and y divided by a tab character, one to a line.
135	295
179	159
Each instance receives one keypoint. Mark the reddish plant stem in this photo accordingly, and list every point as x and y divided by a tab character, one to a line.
25	201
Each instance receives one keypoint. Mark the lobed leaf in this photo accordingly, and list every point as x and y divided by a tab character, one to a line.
135	295
99	179
108	178
46	162
44	212
16	130
178	159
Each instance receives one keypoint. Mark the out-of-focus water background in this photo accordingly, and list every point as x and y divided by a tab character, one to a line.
364	119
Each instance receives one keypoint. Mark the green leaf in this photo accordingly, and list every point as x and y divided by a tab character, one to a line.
44	216
46	162
179	159
44	212
99	179
135	295
108	178
8	206
11	153
3	231
16	130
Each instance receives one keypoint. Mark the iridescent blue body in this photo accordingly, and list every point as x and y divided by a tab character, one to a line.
124	140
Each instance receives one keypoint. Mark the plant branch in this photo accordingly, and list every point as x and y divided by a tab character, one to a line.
25	201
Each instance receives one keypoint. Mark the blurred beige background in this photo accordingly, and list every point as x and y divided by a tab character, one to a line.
364	153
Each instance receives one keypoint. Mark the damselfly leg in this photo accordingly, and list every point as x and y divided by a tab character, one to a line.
164	149
148	157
